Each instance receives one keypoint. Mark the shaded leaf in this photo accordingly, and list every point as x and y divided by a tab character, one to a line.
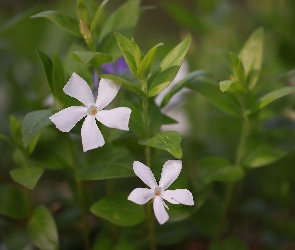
58	78
228	244
232	86
94	58
168	140
118	210
97	15
48	69
83	13
27	177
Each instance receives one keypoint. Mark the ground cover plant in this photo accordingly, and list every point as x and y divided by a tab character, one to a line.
147	125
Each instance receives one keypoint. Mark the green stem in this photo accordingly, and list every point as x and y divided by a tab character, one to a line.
150	225
80	196
231	186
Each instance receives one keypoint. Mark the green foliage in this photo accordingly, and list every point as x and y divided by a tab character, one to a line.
83	12
13	202
212	168
118	210
58	78
28	177
97	15
94	58
168	140
228	244
48	69
42	229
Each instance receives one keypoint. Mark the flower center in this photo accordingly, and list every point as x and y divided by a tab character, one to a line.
158	191
92	110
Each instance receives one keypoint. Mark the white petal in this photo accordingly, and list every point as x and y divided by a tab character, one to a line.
179	196
170	173
115	118
91	135
145	174
141	195
107	90
67	118
78	88
159	210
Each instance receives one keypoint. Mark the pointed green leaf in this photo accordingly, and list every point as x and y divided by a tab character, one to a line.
94	58
168	140
58	78
69	24
42	229
182	84
138	55
146	64
118	210
251	55
48	69
83	13
13	202
213	168
232	86
126	84
168	68
28	177
15	128
8	140
33	123
111	162
97	15
126	47
238	68
271	96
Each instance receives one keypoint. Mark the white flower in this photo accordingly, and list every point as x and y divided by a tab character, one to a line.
170	173
67	118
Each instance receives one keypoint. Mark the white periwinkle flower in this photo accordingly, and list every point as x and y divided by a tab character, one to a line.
170	173
67	118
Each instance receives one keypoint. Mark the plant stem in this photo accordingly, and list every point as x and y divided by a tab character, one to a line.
150	225
80	196
231	185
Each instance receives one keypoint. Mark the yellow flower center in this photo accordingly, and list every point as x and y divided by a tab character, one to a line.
92	110
158	191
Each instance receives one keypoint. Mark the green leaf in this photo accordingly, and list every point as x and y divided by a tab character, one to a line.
251	55
27	177
182	84
168	68
48	69
118	210
212	168
97	15
147	62
33	123
42	230
58	77
260	155
94	58
83	13
13	202
224	101
69	24
130	11
168	140
8	140
138	55
15	128
238	69
228	244
126	84
105	163
271	96
232	86
127	49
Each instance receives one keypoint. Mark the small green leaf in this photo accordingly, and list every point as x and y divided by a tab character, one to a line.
48	69
147	62
232	86
42	229
94	58
118	210
182	84
126	84
15	128
271	96
251	55
13	202
97	15
33	123
69	24
8	140
213	168
58	77
27	177
238	69
138	55
111	162
168	140
127	49
228	244
83	13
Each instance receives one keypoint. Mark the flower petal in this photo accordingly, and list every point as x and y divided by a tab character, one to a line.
91	135
145	174
159	210
141	195
170	173
179	196
115	118
67	118
107	90
78	88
